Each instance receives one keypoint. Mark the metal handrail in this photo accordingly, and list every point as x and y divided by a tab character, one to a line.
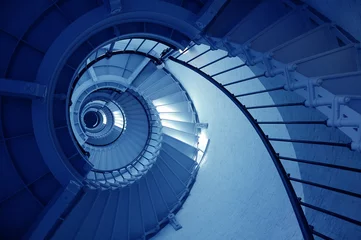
154	123
295	202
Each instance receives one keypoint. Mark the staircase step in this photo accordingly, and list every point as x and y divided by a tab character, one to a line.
340	60
175	107
187	127
186	149
90	224
188	138
169	194
104	229
170	99
163	82
182	168
136	228
178	156
69	228
158	74
165	91
144	74
231	14
181	117
177	184
252	24
149	213
292	25
318	40
120	225
159	201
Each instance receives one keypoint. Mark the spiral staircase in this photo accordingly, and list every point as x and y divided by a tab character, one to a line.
105	108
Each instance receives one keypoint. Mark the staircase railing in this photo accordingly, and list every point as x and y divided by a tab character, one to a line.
125	175
121	177
297	203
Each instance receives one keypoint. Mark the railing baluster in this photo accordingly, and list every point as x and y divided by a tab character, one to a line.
326	187
321	235
155	45
140	45
128	44
245	80
335	144
217	60
262	91
199	55
294	122
321	164
230	69
331	213
278	105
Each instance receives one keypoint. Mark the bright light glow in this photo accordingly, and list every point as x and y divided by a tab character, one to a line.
171	116
168	124
184	51
165	109
104	118
202	146
202	141
118	119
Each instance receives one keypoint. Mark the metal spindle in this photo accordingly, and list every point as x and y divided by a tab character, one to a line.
278	105
111	47
326	187
331	213
321	164
140	45
262	91
318	234
238	66
185	50
335	144
245	79
294	122
128	44
217	60
155	45
199	55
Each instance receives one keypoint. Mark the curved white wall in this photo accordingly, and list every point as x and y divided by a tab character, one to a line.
232	138
238	193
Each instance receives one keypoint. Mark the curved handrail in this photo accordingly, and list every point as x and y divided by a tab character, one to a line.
152	123
103	181
305	229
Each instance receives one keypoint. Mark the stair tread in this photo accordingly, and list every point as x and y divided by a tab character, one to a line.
173	98
170	197
179	116
190	139
149	214
136	228
120	225
88	228
178	156
159	201
73	221
104	229
186	149
176	182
